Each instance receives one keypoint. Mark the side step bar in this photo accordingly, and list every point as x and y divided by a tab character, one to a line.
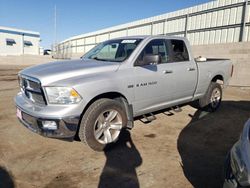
147	118
176	109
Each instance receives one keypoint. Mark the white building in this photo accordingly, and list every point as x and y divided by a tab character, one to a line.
18	42
215	22
219	28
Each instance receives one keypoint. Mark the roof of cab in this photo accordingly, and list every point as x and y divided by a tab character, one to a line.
150	37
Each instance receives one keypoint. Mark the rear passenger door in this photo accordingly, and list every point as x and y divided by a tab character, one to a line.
184	70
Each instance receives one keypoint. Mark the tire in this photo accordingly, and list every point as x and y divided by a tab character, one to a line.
102	123
212	99
229	179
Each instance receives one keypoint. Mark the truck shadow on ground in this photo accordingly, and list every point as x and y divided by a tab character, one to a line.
205	141
121	163
6	179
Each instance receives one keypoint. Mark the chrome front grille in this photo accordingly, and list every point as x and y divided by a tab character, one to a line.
32	89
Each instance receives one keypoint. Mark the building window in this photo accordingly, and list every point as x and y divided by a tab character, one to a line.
27	43
10	42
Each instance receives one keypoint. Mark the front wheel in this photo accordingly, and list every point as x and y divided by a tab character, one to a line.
212	99
102	123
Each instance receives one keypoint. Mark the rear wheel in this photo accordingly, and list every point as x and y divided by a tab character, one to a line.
102	123
212	99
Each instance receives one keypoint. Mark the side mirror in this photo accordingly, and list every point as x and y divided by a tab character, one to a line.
200	59
151	59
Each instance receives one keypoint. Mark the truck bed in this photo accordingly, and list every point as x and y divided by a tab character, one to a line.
207	71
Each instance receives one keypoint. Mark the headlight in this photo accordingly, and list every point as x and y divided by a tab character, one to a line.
62	95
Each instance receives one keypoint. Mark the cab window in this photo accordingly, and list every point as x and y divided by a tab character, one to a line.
179	51
154	47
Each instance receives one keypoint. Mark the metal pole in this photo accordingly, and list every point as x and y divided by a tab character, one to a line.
55	32
164	25
245	13
152	25
22	44
84	47
76	45
186	25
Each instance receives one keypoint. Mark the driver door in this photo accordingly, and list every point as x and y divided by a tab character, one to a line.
153	84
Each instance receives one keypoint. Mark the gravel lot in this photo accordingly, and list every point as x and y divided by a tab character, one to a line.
185	149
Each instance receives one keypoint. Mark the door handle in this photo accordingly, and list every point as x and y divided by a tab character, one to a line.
191	69
167	71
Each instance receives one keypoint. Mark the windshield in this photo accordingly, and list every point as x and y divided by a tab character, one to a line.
113	50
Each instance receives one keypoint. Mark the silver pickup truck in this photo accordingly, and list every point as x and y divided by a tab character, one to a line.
98	95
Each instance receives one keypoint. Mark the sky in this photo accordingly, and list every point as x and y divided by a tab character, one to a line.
76	17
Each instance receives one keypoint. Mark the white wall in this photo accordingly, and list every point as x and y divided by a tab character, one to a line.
34	49
18	48
215	22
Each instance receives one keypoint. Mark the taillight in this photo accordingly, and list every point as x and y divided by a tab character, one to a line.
232	70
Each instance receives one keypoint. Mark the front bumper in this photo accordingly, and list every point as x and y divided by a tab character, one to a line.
32	117
67	127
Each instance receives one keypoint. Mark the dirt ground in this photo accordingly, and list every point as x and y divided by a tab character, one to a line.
185	149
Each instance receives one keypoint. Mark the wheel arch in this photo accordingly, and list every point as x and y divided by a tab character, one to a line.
218	78
108	95
111	95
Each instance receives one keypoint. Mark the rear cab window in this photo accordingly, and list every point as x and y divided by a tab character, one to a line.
178	51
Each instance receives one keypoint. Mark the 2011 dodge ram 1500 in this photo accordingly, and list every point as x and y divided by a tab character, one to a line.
119	79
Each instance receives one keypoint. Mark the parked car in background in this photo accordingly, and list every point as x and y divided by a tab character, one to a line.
47	52
237	166
119	79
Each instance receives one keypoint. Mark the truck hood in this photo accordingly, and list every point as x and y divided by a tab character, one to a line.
61	70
